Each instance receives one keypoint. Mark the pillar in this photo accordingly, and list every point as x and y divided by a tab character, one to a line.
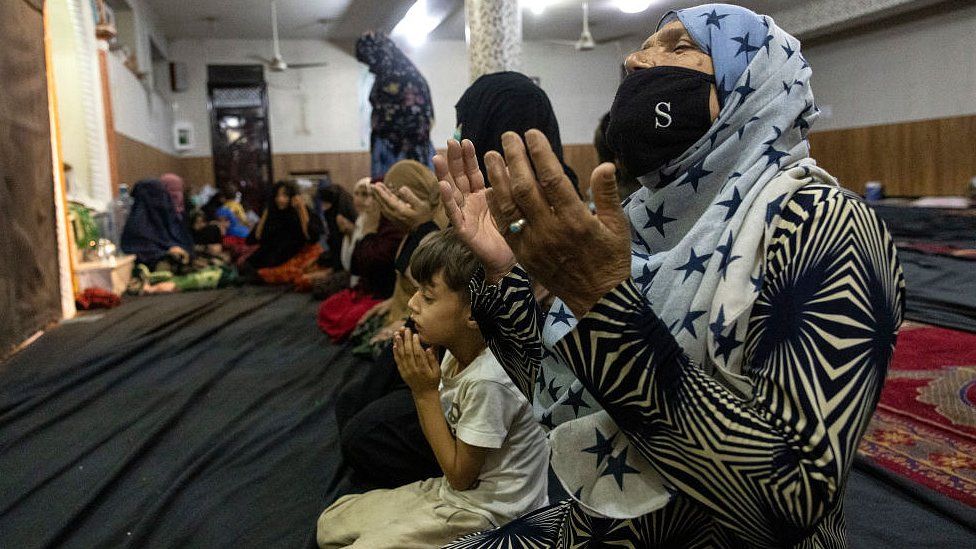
493	31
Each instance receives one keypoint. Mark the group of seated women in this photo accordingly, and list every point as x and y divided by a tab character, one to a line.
178	247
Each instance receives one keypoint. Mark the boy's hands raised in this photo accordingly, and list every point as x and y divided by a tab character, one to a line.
419	368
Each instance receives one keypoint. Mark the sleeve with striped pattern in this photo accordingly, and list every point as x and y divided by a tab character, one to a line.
818	345
509	319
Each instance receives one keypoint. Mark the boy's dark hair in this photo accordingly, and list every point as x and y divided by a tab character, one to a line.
443	252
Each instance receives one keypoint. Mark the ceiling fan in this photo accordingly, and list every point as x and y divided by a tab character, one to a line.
277	62
586	41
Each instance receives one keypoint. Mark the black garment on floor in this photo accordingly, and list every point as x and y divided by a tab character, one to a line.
378	420
202	419
929	225
939	290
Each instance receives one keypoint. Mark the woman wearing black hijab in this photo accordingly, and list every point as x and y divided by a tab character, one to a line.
286	228
506	101
337	210
153	231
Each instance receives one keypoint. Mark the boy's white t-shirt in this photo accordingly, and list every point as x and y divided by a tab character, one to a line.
484	408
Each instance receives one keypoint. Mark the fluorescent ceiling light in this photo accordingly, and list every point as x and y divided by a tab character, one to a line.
537	7
633	6
416	24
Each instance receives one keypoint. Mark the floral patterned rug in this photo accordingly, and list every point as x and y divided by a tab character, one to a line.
925	425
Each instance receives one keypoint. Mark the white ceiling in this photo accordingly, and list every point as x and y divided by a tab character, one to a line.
299	18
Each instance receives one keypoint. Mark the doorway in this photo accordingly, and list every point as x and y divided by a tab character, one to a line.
240	133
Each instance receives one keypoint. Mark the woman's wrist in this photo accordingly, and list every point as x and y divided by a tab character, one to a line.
495	274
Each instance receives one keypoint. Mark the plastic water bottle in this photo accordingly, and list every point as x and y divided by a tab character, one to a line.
873	191
120	212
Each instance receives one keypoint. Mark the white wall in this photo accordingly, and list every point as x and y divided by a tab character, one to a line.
912	71
580	85
139	111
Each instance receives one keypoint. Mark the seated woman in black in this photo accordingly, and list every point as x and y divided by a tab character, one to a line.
153	231
287	236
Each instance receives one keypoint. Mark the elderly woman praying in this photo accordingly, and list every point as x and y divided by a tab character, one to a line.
720	338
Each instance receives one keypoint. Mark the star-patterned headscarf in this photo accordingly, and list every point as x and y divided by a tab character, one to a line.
701	225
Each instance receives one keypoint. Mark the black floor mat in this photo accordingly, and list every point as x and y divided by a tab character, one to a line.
193	420
939	290
206	420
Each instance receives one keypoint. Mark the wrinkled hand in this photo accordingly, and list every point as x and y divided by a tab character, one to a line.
345	226
418	367
403	208
465	198
579	256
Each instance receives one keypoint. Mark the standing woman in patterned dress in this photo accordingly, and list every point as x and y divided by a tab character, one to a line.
722	335
402	109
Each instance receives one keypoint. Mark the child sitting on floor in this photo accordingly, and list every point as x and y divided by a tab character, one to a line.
480	427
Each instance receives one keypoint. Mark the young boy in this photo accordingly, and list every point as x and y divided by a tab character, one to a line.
493	453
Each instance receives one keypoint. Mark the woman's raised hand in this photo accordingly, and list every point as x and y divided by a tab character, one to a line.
465	198
577	255
405	210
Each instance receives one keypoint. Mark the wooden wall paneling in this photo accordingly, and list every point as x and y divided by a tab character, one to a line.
922	158
136	160
345	168
197	171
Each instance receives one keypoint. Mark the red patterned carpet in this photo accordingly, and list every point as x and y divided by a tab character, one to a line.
925	425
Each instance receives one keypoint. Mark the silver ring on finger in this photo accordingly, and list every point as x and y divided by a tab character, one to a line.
516	226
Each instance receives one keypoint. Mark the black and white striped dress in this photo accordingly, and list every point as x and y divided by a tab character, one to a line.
765	471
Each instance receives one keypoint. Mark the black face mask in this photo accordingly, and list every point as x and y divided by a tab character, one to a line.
657	115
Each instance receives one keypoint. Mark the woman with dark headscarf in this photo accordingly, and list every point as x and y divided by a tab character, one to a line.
408	197
720	339
402	109
339	214
506	101
175	187
153	231
286	235
367	253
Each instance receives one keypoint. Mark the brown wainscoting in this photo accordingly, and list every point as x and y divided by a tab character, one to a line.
136	160
198	171
925	158
345	168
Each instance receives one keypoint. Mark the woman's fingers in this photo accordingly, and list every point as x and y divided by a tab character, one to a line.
603	183
503	208
476	179
455	164
524	189
410	198
441	170
556	187
450	204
